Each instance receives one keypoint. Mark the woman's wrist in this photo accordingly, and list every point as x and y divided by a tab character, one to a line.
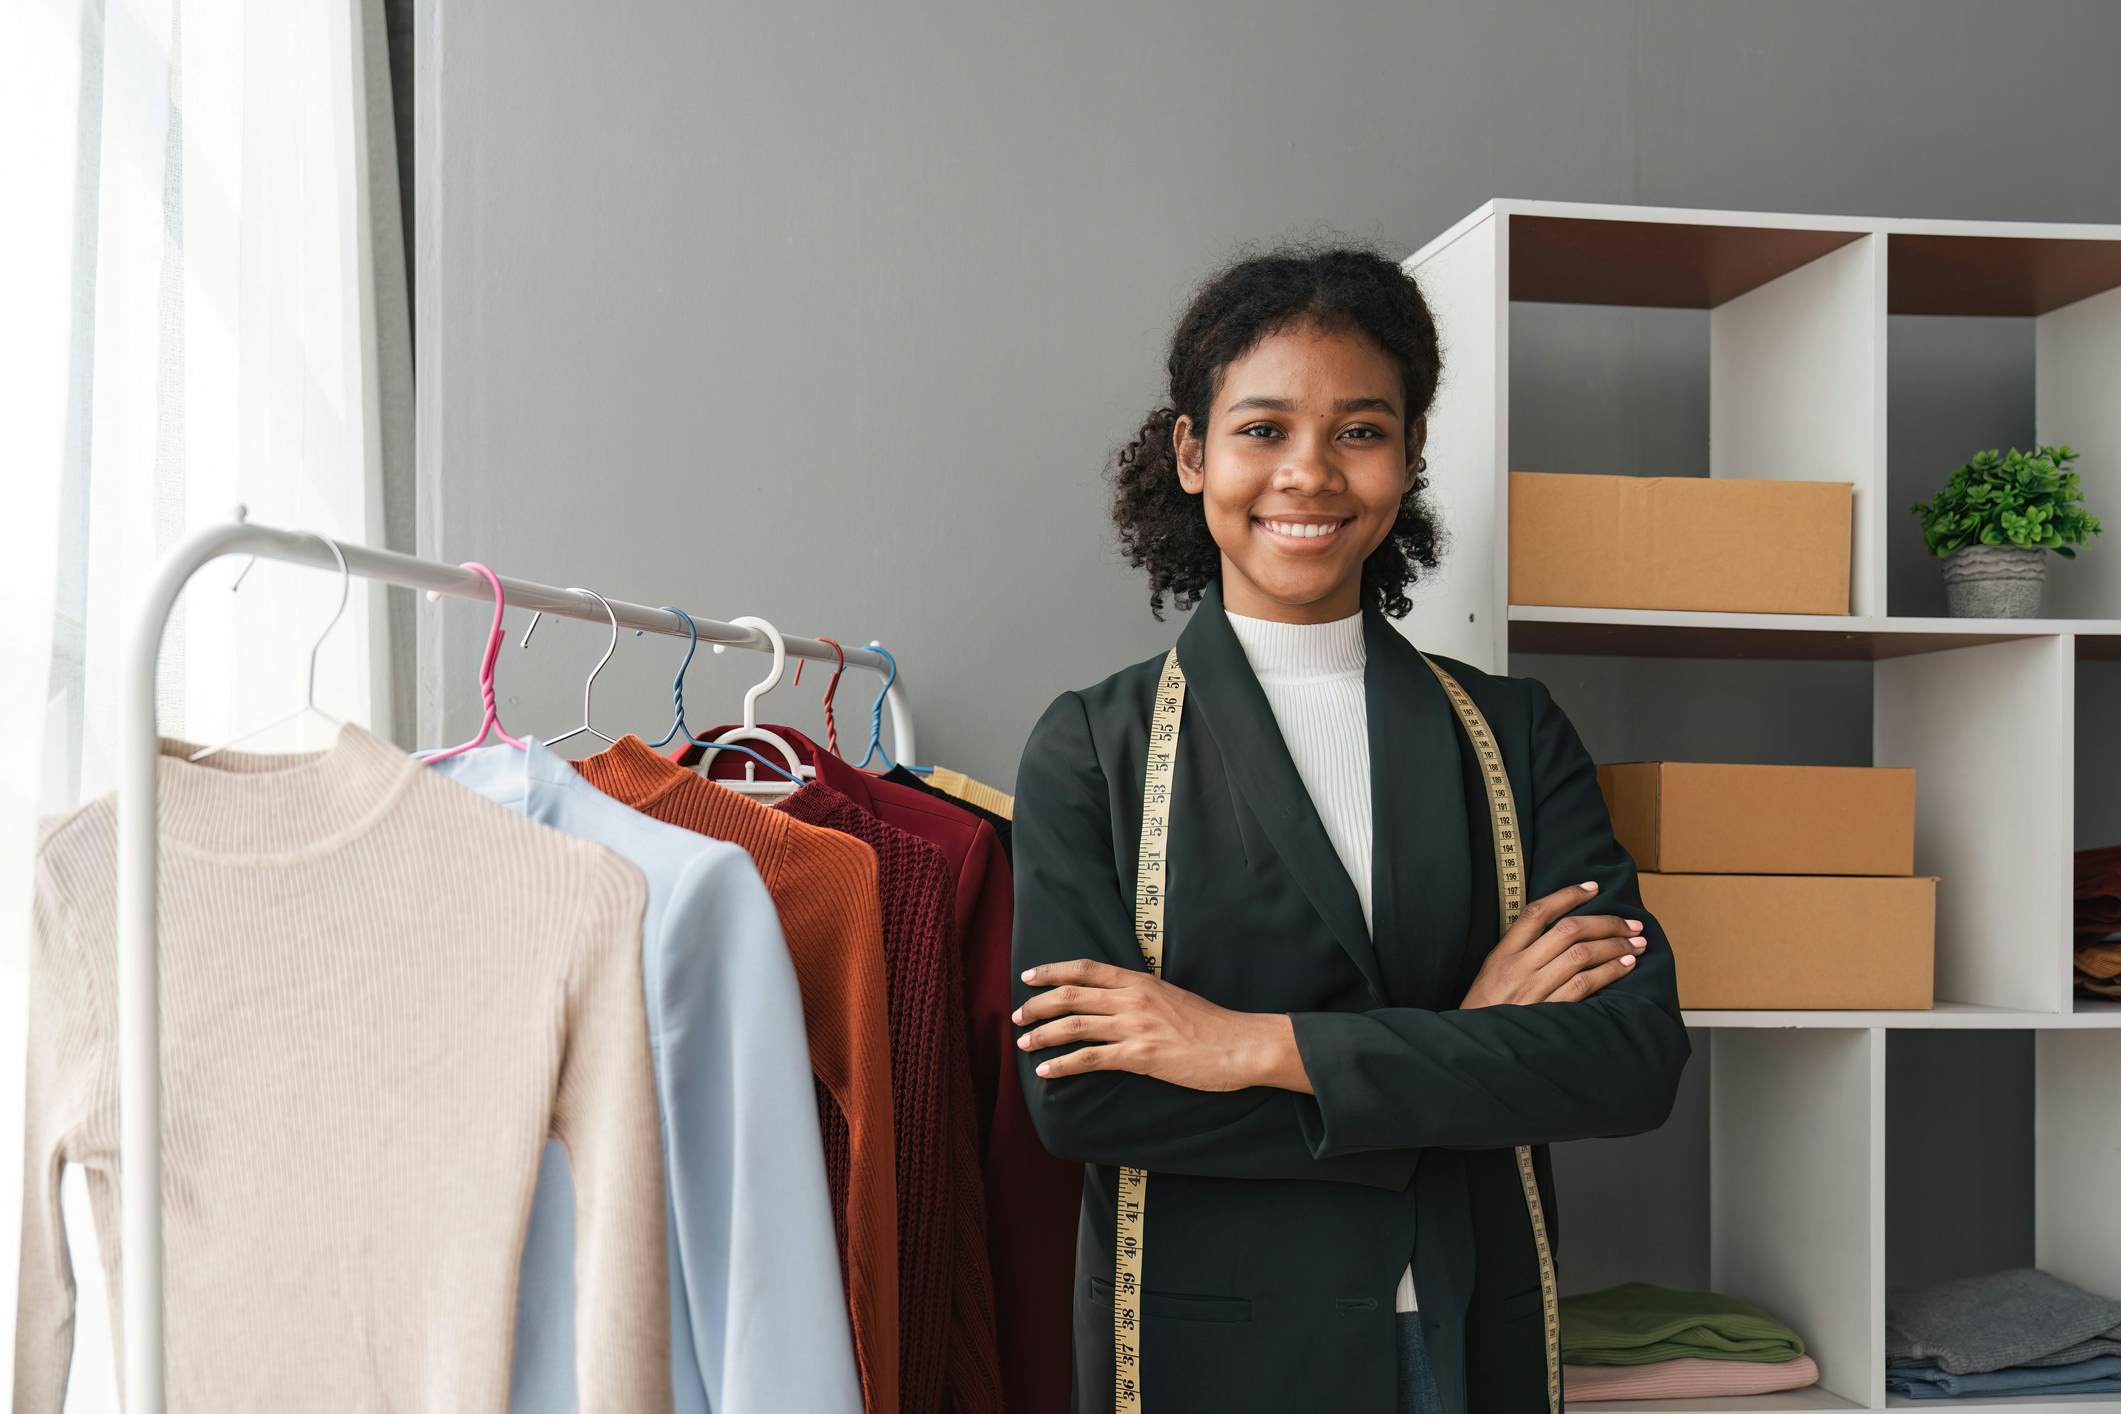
1274	1060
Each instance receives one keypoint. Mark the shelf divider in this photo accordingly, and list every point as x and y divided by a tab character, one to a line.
1796	1181
1990	732
1797	391
2076	365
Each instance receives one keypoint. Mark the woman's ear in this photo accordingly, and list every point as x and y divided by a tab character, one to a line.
1189	454
1417	438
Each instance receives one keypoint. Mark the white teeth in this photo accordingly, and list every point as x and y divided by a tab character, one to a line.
1300	531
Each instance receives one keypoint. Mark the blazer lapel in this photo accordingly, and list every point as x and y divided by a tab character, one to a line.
1220	684
1421	878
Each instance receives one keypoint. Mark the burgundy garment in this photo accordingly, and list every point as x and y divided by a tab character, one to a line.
1033	1201
946	1303
2098	893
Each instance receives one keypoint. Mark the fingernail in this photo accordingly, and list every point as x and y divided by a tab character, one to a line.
1590	885
1628	960
1640	942
1027	973
1042	1067
1023	1043
1017	1015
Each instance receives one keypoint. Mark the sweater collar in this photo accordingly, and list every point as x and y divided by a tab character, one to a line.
1284	652
258	807
632	772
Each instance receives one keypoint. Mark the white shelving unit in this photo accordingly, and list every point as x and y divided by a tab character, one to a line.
2004	721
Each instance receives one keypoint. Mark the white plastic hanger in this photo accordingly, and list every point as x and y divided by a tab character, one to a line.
750	783
309	705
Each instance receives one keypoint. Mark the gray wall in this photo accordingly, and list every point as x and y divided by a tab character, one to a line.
832	312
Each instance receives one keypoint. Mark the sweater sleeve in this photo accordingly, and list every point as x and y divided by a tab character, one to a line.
604	1111
1495	1076
1071	903
68	1084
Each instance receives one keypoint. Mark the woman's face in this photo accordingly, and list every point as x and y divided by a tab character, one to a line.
1300	471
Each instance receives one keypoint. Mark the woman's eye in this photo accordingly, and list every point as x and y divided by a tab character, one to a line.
1267	429
1369	434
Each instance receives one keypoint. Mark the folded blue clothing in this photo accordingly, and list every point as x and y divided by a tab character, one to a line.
2099	1375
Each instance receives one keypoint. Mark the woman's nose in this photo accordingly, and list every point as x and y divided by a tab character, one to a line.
1306	469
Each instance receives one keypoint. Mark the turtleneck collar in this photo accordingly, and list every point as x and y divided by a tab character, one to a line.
260	807
1291	651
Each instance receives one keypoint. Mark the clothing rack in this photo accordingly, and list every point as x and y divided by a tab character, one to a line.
139	986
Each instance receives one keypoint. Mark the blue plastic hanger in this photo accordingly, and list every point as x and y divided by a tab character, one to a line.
876	719
677	684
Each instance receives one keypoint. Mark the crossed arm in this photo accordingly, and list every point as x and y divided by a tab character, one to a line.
1571	1030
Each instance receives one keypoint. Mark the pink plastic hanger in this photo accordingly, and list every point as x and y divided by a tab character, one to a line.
491	722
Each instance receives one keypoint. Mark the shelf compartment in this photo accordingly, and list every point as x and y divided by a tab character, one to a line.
2000	1152
1958	385
1758	1187
1789	372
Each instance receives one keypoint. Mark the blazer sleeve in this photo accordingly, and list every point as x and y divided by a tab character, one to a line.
1070	903
1502	1075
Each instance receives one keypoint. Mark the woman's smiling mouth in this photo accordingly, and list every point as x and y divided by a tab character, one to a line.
1303	531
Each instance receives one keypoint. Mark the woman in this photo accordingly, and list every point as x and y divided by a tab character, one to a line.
1327	1080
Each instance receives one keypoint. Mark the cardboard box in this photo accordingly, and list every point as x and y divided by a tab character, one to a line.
1691	817
1780	941
1680	542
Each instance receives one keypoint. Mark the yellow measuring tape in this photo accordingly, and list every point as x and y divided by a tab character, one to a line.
1149	870
1149	896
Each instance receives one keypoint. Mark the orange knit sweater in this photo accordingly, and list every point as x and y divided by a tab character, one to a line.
824	885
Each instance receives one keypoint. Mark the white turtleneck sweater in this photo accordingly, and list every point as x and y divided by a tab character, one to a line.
1312	675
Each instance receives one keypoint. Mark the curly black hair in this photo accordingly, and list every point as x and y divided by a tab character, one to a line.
1162	528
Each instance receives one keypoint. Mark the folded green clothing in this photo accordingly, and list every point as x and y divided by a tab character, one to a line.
1636	1323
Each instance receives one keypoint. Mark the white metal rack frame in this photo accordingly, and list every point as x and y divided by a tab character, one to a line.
139	988
1792	1144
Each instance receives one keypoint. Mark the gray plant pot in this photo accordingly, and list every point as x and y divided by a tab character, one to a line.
1995	582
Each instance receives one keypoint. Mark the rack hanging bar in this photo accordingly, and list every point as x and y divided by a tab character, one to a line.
139	752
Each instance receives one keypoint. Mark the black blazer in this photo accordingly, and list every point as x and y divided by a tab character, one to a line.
1278	1223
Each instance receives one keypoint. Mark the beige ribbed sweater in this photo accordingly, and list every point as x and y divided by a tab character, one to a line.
380	994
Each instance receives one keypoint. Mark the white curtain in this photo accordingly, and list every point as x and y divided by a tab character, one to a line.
204	294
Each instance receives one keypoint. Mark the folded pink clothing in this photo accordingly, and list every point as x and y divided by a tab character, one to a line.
1686	1378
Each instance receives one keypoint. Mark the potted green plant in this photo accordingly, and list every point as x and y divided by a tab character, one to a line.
1993	524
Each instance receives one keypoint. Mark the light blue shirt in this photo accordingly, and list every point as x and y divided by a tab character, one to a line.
758	1318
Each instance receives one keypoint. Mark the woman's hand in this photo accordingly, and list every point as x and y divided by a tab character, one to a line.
1541	960
1140	1023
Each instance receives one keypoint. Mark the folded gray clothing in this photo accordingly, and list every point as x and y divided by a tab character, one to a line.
2019	1316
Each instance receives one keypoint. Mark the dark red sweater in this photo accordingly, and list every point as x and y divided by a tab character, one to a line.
1032	1200
946	1301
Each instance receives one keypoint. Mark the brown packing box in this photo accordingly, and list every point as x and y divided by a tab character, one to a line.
1679	542
1694	817
1781	941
